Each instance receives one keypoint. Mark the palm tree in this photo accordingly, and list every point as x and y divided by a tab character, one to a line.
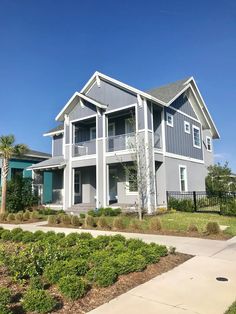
8	149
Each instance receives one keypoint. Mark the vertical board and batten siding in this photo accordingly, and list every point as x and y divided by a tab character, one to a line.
82	112
57	145
149	115
177	141
182	103
111	95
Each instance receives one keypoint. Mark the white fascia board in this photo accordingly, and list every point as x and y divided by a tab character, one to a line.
79	95
53	133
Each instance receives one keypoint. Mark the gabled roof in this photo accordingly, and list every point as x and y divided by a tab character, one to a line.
167	92
57	130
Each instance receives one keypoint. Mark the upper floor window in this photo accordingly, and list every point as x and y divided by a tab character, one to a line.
186	127
196	137
183	178
169	119
209	143
92	133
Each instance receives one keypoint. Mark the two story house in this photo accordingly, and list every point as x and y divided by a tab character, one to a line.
91	144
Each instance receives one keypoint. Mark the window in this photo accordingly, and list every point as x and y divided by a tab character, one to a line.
169	119
196	137
208	144
132	184
92	133
183	178
186	127
15	173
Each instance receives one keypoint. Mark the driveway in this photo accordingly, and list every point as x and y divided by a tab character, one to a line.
189	288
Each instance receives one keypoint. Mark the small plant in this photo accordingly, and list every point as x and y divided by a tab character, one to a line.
172	250
3	217
118	223
155	224
5	296
34	215
19	216
192	228
128	262
52	220
39	301
36	283
82	215
26	215
4	309
135	225
54	271
6	235
212	227
75	221
102	223
102	275
65	219
72	287
11	217
92	213
89	222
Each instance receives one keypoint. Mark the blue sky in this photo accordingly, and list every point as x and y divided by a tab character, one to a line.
50	48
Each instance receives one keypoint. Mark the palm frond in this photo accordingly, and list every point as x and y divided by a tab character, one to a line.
20	149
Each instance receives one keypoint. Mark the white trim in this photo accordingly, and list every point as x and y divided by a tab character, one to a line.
186	123
185	114
71	140
120	152
84	157
153	159
119	109
91	87
59	166
185	179
96	156
194	127
163	131
127	191
199	161
84	118
104	161
169	115
139	100
209	138
53	133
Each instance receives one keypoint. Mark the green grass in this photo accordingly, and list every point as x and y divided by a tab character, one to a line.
232	309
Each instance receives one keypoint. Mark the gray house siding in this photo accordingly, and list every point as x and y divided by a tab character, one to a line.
177	141
182	103
110	95
208	156
57	145
82	112
196	173
141	121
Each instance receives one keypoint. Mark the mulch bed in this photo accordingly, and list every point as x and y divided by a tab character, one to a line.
96	296
203	235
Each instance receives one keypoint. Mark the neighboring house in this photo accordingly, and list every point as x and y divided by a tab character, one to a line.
91	143
18	166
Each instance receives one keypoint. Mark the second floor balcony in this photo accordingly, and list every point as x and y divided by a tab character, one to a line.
84	148
120	142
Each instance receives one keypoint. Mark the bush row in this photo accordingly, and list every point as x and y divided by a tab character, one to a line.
20	216
104	211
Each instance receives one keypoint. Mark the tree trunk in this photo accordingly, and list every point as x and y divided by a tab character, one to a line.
5	169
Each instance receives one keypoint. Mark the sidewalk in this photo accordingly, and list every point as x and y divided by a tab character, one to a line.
189	288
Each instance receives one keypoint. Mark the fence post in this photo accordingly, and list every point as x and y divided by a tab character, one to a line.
195	201
167	198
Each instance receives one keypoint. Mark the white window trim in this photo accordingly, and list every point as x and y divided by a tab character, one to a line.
91	130
194	127
208	138
169	115
128	192
186	179
185	130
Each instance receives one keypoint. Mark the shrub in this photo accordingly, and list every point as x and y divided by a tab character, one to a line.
78	266
152	252
155	224
48	211
16	231
11	217
4	309
5	296
75	221
28	237
26	215
128	262
36	283
39	301
19	216
34	215
92	213
135	244
3	217
185	205
213	227
192	228
52	220
135	225
172	250
82	215
102	223
118	223
229	208
6	235
72	287
89	222
39	235
65	219
102	275
54	271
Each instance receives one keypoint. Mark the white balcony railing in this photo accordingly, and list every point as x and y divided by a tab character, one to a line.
84	148
157	140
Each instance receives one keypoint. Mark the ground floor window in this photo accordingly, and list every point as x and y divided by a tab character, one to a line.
131	179
183	178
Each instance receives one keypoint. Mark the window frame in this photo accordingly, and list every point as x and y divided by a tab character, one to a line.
91	132
194	127
171	124
185	179
128	192
209	138
186	131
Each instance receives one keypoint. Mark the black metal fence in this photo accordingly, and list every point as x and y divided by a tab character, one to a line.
199	201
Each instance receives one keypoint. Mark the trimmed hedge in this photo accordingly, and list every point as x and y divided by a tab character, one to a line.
184	205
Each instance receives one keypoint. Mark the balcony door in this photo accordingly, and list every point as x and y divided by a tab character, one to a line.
77	186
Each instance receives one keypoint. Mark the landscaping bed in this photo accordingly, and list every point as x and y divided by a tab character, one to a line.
49	272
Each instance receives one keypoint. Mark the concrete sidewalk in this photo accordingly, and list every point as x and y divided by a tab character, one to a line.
189	288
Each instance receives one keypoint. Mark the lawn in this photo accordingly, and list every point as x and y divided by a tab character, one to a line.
46	272
232	309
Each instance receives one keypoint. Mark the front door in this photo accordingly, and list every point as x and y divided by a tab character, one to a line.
113	185
77	186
